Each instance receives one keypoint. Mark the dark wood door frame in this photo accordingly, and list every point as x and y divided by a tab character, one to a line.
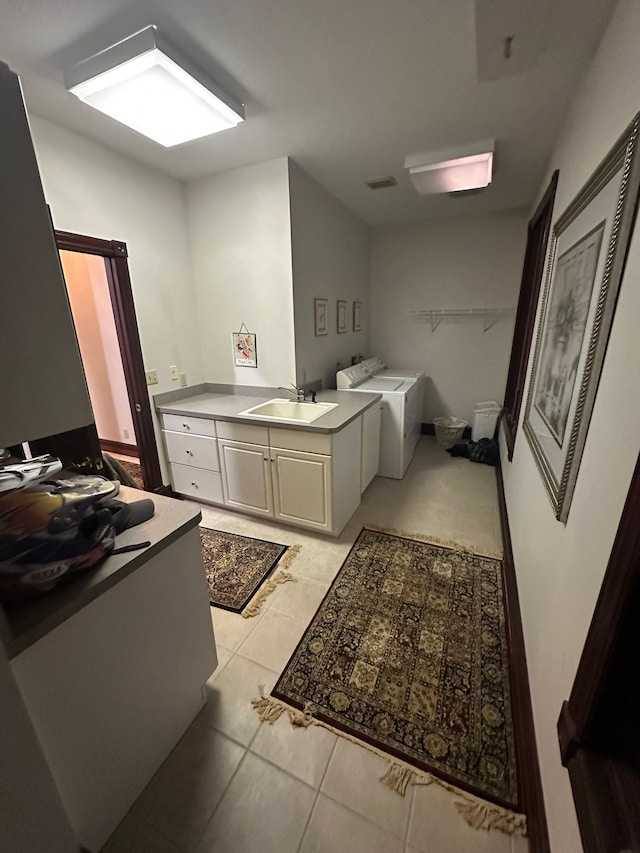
537	238
599	726
117	268
530	792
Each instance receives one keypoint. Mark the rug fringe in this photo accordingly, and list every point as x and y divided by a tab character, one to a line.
281	576
398	777
479	814
302	719
433	540
482	815
268	709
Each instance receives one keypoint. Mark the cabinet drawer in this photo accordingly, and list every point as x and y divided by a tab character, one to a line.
198	450
293	439
250	433
194	426
197	483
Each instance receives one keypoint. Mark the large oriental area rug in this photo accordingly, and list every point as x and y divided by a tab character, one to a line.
240	569
407	653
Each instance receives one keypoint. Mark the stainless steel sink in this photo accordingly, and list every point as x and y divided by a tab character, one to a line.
289	410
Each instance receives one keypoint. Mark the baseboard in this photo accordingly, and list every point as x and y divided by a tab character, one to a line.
529	779
429	429
167	490
118	447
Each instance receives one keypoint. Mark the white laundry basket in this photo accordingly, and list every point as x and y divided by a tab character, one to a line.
485	417
449	430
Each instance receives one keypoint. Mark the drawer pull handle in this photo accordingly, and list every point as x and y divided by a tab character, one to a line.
186	426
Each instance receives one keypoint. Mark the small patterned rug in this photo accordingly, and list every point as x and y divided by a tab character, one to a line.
134	470
408	653
238	566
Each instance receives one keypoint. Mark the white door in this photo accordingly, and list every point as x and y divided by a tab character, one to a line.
302	488
246	476
370	445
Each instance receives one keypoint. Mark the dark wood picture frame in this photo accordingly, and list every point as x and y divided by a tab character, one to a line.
538	232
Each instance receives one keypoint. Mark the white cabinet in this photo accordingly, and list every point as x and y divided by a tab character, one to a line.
44	391
371	420
192	451
246	476
302	488
301	477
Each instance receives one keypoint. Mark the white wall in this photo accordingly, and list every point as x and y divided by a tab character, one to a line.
560	567
91	190
331	258
241	255
461	262
88	290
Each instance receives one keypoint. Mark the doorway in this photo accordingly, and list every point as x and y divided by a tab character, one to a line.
101	300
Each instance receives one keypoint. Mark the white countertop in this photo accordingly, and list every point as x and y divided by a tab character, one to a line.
227	407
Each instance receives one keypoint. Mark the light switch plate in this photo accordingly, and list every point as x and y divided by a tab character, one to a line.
173	371
183	380
152	377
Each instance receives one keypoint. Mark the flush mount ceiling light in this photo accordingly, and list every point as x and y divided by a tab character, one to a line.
144	82
452	170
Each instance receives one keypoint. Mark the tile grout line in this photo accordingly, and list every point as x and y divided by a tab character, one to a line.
196	844
317	797
412	806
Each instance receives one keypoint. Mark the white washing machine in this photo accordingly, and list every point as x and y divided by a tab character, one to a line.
401	413
377	367
415	402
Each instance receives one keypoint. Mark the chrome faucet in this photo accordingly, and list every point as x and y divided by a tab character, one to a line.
296	392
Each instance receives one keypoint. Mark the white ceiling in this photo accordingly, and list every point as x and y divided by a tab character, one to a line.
347	88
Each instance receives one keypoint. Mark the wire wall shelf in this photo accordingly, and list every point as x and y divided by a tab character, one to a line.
489	316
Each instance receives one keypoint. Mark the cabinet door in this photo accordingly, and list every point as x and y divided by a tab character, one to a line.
246	476
370	445
302	488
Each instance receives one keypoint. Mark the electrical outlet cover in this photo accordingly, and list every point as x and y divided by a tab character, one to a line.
152	377
173	371
183	380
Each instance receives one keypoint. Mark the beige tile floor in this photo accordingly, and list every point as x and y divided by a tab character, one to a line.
233	785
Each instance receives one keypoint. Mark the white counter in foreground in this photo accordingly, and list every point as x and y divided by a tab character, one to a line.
112	688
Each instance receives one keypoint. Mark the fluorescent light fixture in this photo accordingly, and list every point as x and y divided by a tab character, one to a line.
467	167
146	84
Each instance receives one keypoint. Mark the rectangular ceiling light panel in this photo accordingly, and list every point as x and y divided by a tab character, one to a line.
138	84
466	168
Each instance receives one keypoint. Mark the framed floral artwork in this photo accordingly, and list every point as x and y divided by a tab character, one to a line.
244	349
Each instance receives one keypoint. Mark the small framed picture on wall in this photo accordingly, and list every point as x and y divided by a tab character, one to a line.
321	316
357	316
342	316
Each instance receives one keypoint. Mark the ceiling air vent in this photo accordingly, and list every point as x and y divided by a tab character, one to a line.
382	183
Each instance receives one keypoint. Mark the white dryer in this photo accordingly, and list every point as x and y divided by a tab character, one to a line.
401	408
